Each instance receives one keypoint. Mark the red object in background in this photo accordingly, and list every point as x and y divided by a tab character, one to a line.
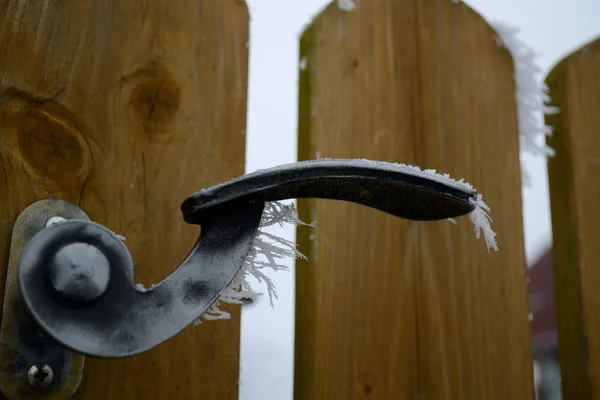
541	304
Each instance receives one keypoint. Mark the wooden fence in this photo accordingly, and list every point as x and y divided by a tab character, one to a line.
575	87
391	309
125	108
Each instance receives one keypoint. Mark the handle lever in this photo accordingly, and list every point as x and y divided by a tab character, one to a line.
396	189
76	277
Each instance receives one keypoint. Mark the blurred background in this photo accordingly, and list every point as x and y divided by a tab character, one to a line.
552	27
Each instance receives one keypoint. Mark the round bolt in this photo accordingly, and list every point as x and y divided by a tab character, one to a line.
80	272
40	377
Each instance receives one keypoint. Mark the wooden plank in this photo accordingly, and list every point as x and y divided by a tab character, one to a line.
125	108
574	197
391	309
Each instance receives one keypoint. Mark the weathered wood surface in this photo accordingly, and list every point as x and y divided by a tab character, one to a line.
574	197
125	108
393	309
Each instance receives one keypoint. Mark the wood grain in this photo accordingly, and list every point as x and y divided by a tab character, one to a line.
574	197
125	108
394	309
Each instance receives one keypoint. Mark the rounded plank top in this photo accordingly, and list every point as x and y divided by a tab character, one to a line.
420	82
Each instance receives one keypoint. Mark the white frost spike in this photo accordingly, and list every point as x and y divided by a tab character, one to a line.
531	95
266	252
55	220
482	222
303	63
346	5
140	287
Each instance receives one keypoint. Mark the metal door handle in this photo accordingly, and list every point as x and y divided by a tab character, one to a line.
76	278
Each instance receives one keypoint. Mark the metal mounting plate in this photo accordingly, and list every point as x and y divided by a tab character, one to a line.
22	343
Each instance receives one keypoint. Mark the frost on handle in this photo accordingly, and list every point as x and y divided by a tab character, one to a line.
268	250
266	253
480	216
482	221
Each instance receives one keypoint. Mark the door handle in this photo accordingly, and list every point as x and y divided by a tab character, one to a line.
76	278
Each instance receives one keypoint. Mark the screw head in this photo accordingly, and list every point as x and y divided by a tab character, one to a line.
79	272
40	376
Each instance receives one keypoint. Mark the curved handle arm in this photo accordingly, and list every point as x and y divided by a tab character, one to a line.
396	189
123	320
76	277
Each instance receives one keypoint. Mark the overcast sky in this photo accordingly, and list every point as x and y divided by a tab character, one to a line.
553	27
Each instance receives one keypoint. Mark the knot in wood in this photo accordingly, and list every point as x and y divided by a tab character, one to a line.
154	102
51	149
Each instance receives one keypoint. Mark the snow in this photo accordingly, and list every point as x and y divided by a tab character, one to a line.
346	5
303	64
266	253
141	288
531	94
481	219
55	220
430	174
